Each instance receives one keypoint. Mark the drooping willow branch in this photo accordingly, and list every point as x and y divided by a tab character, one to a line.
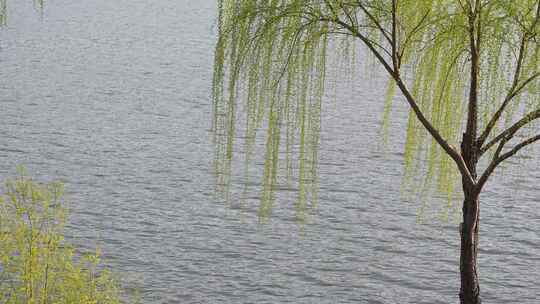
273	54
529	34
394	73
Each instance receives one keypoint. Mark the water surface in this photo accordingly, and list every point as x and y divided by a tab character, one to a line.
112	97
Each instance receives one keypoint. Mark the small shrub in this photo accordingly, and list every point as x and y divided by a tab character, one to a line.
37	266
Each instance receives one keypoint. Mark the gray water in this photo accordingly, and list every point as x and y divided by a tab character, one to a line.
112	97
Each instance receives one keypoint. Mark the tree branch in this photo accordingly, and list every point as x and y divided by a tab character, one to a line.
448	148
411	34
514	91
498	159
516	88
512	130
375	21
394	42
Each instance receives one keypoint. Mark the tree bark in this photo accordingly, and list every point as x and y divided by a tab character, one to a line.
470	288
469	292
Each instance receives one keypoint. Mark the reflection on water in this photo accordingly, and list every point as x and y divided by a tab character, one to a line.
113	97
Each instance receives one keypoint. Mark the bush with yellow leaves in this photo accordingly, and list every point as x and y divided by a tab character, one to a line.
37	266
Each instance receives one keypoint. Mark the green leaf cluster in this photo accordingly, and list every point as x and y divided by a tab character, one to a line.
37	265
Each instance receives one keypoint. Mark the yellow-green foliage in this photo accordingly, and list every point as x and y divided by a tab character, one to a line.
271	63
282	60
36	264
3	13
38	5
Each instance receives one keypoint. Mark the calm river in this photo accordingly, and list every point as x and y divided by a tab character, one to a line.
112	97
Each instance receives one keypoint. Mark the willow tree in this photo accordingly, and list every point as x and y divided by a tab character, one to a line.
468	69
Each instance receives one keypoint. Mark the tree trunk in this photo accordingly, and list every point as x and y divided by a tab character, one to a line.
470	288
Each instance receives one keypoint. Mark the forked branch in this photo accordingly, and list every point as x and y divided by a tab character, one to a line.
394	73
516	88
508	133
498	159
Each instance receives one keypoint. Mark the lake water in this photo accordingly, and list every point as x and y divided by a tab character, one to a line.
113	97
